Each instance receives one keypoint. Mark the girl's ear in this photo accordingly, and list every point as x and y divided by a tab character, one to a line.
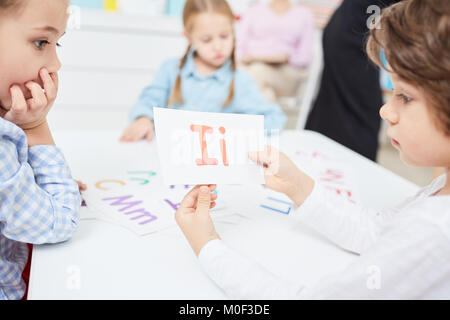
187	36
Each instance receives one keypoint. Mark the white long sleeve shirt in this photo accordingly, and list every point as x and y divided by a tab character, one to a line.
404	252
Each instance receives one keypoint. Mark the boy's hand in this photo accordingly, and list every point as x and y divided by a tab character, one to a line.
81	186
140	128
282	175
32	113
193	217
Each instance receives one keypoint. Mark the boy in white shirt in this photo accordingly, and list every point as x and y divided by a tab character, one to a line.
410	243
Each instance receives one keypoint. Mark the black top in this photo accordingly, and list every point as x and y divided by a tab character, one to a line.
354	13
349	99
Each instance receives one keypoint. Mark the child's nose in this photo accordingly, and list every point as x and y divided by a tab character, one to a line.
217	45
387	113
54	65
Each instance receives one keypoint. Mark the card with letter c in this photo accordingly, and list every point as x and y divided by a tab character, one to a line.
208	148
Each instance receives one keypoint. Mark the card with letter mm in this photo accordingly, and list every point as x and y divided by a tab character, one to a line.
208	148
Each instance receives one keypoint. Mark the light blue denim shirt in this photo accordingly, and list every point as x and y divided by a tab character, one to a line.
207	93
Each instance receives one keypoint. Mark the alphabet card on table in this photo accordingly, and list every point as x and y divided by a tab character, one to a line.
322	162
132	208
142	209
208	148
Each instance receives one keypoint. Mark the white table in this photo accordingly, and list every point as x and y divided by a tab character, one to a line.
106	261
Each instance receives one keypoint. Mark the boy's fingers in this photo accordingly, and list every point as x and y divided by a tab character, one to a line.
49	85
265	158
55	80
204	200
190	199
17	98
81	185
18	103
260	158
38	100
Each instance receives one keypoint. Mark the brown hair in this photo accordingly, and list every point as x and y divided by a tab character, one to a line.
9	4
415	37
191	9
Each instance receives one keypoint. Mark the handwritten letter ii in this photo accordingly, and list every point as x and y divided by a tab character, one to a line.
208	148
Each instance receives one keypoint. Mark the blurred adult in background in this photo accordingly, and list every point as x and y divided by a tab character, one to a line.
274	45
349	99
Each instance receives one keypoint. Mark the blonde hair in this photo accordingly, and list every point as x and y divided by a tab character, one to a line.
191	9
415	36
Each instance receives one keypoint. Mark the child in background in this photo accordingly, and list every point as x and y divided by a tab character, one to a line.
39	200
409	243
274	45
206	78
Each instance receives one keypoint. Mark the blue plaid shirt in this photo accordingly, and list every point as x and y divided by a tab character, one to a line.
39	203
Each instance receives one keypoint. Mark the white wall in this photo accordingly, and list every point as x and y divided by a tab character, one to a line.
106	64
110	58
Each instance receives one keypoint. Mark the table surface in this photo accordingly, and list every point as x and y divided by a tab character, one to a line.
106	261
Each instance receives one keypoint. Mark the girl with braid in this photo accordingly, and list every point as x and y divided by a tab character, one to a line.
205	79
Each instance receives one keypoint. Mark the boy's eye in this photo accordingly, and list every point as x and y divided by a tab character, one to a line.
40	44
405	98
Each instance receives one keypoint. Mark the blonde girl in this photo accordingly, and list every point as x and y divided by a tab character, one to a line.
205	78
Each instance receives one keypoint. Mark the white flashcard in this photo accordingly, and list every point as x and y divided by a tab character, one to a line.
131	208
208	148
140	209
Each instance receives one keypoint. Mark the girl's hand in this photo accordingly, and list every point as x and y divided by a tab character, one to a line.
32	113
282	174
281	58
140	128
193	217
274	59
